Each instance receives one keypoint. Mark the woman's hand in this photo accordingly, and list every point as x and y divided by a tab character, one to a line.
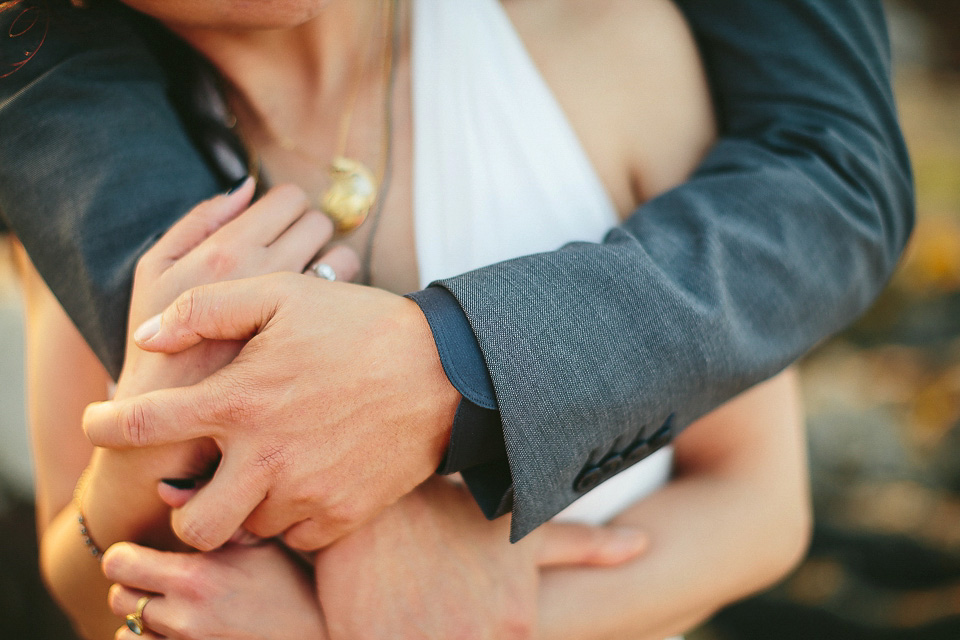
234	593
432	567
222	239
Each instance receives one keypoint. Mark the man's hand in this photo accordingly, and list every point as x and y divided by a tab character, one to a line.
335	408
432	567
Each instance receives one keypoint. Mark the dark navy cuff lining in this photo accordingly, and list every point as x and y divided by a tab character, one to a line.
476	438
457	346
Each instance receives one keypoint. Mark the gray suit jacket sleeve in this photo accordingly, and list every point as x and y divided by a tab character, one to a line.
600	353
94	161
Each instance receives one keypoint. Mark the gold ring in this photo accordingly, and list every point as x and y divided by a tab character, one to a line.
135	620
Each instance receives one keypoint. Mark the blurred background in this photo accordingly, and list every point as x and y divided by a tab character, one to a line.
883	401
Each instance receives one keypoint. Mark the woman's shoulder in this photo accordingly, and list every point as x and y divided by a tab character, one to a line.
614	32
629	76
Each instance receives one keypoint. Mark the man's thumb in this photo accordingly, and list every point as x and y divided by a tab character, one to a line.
586	545
234	310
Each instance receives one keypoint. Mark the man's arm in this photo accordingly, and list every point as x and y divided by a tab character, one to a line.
94	162
786	232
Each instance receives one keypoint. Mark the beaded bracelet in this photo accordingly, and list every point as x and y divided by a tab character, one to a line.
87	540
92	547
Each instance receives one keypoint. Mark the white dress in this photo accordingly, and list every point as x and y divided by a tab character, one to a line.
499	173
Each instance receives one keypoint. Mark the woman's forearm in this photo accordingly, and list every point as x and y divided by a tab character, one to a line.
703	554
73	576
116	506
734	520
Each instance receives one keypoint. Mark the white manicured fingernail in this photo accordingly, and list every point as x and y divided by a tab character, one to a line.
148	329
237	186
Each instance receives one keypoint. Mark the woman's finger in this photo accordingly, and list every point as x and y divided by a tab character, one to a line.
176	492
124	633
124	601
587	545
267	218
342	260
202	222
296	246
142	568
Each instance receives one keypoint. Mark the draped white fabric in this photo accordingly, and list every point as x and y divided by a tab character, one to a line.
500	173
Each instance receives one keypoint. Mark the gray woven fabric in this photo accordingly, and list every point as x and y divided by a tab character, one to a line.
94	162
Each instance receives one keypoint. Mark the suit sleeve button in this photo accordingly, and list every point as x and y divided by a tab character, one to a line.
611	466
663	436
637	452
588	480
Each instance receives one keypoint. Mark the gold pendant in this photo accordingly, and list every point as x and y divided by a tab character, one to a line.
351	196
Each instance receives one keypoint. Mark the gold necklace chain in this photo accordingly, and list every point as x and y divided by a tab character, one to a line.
354	190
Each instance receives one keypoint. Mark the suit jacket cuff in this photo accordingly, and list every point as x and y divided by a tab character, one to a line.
477	435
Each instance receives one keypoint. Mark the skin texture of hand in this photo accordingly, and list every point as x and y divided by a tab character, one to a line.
223	238
346	378
234	593
432	567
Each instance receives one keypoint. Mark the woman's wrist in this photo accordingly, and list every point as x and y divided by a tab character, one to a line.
117	504
96	552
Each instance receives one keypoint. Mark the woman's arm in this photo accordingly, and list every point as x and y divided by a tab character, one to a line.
119	498
63	376
735	519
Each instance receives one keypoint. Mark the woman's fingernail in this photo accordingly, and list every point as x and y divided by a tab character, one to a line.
629	540
148	329
244	538
236	186
183	484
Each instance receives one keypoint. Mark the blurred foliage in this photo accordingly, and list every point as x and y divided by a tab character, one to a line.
944	18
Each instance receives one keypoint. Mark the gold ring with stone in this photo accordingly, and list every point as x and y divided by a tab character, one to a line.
135	620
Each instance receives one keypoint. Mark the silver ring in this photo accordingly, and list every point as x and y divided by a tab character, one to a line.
323	270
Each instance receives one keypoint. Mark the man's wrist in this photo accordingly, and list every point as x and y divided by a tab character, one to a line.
440	397
477	434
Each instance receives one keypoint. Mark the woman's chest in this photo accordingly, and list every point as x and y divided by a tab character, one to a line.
475	157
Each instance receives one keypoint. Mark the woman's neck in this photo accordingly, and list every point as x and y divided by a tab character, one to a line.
290	76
